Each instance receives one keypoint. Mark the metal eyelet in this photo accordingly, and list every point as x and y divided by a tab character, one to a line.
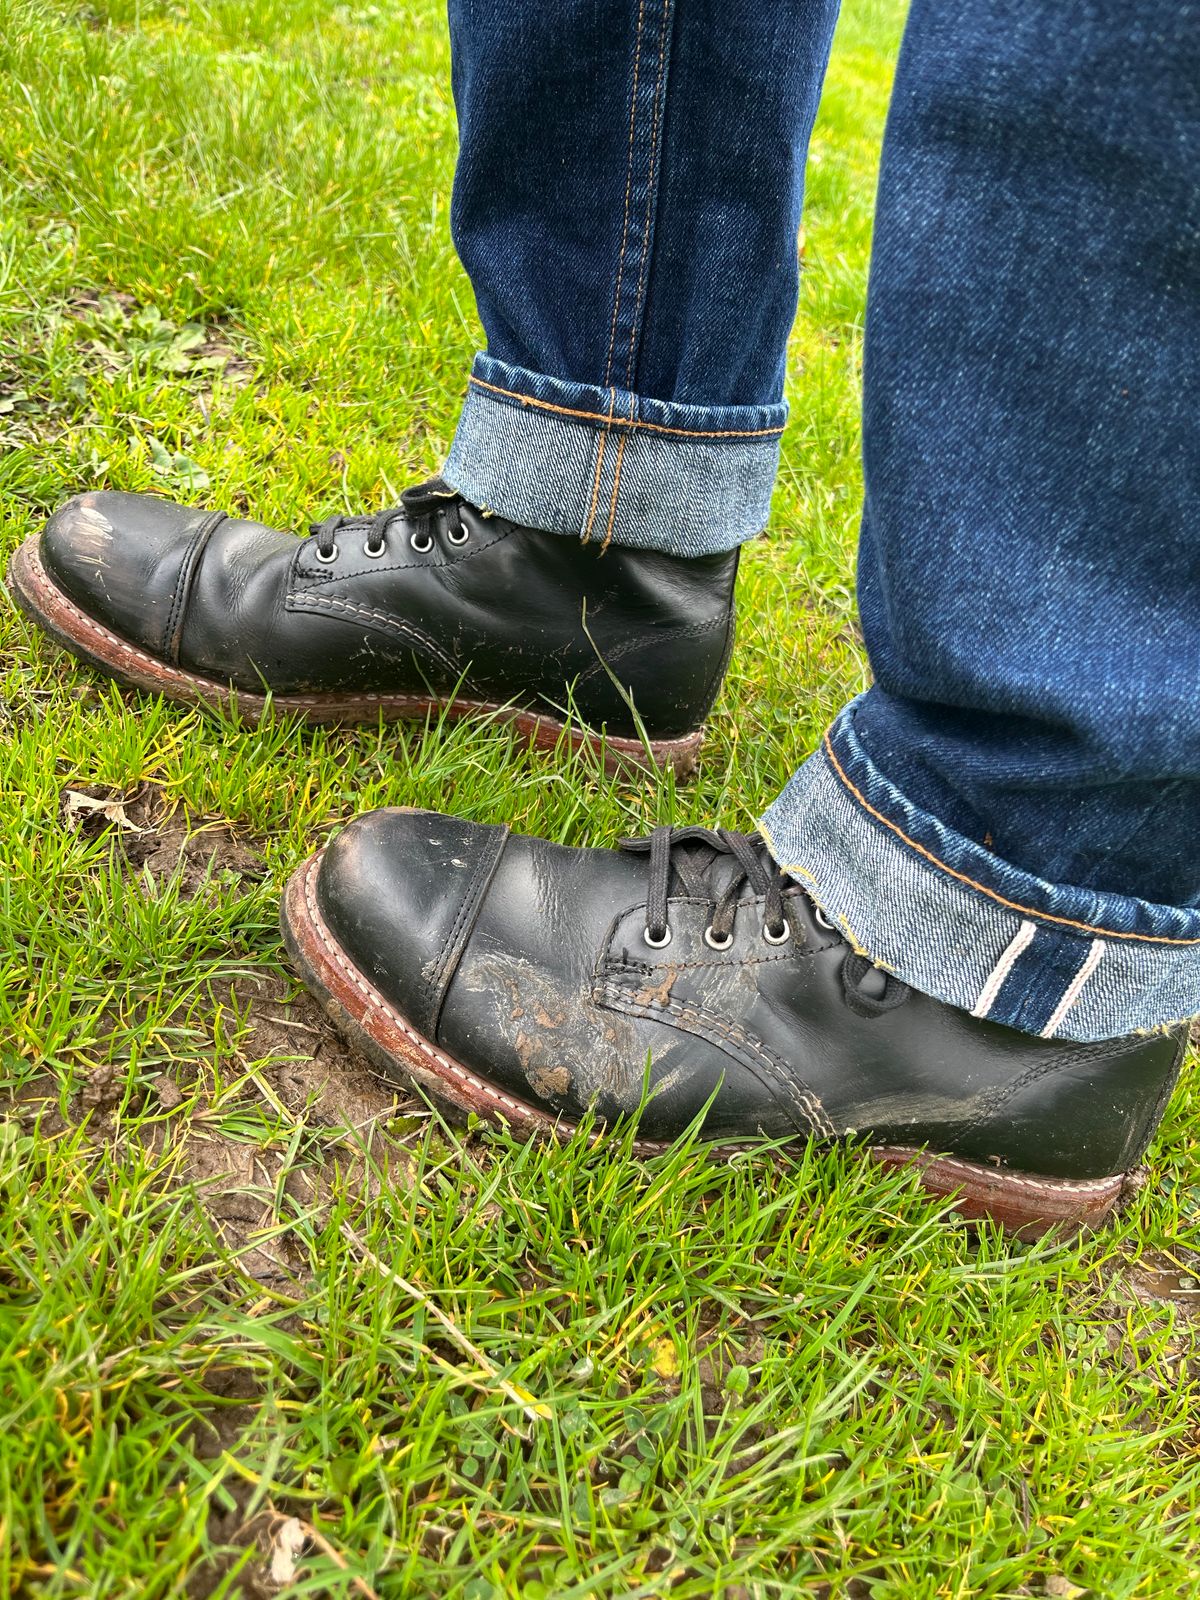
458	535
657	944
713	942
422	543
375	550
824	921
782	937
331	557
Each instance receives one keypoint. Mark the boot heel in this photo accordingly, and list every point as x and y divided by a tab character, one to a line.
1021	1202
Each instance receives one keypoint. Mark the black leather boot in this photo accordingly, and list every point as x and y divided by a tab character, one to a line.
684	976
431	604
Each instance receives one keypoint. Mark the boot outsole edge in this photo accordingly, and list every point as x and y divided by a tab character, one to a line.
1023	1204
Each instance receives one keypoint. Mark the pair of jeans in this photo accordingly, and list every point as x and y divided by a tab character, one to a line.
1007	819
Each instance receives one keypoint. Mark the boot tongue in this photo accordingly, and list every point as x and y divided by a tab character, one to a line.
427	496
698	868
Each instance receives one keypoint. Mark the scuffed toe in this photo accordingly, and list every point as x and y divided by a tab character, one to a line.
400	890
120	557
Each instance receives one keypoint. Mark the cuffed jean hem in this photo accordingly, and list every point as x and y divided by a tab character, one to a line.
954	921
612	466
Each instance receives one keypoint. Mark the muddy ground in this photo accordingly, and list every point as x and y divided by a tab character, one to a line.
356	1128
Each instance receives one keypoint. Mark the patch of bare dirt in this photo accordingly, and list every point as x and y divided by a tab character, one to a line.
283	1067
357	1127
158	838
1167	1280
353	1127
340	1116
263	1197
1172	1279
314	1070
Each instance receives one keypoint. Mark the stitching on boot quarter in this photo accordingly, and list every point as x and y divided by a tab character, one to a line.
706	1024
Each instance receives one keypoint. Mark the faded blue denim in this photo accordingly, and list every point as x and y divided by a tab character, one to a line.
626	203
1008	819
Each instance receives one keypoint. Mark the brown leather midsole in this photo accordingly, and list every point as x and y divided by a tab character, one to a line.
1023	1202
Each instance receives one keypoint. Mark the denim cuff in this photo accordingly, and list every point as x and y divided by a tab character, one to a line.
612	466
955	921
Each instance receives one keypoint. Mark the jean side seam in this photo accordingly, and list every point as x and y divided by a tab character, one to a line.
982	888
652	178
612	509
638	425
637	58
601	448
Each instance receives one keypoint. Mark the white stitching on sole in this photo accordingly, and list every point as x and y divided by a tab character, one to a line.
1053	1186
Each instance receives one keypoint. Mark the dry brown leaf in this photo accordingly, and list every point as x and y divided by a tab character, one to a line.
78	807
288	1544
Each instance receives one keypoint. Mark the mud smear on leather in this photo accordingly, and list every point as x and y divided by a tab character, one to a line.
530	1012
549	1081
657	994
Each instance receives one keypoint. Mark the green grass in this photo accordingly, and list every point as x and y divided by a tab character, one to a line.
238	1284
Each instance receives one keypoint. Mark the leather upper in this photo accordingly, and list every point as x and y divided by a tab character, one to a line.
504	616
528	963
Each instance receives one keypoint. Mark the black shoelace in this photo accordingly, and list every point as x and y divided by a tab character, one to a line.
690	853
423	500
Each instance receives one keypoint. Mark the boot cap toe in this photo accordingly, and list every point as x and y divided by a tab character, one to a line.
400	889
119	557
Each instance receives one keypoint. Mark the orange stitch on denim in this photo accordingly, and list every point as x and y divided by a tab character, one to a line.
637	58
644	269
612	509
601	446
638	426
591	516
1013	905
